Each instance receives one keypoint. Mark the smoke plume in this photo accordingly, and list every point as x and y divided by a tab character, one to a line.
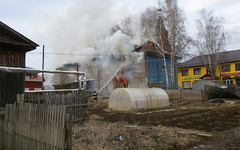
86	32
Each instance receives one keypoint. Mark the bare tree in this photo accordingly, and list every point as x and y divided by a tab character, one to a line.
61	79
174	21
211	39
126	26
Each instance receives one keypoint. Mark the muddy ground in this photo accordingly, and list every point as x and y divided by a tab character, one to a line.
222	121
199	116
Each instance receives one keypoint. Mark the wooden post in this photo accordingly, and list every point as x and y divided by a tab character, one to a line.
20	98
43	67
78	81
68	135
1	132
180	95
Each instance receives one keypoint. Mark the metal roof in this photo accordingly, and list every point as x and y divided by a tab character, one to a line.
224	57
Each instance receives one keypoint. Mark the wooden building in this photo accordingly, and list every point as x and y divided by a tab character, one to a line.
13	48
33	82
149	72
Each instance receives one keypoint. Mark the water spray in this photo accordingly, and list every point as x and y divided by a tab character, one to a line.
123	64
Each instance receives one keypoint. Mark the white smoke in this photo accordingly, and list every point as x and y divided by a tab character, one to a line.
86	32
80	28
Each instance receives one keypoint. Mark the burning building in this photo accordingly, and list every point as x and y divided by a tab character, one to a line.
148	72
121	78
113	61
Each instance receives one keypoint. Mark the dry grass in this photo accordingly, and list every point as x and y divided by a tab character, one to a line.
99	135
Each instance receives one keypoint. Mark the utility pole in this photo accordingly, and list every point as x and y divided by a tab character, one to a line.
78	81
43	68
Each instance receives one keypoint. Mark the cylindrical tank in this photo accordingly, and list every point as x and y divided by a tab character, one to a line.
127	99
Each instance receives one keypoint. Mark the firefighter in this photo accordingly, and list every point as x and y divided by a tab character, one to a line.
95	97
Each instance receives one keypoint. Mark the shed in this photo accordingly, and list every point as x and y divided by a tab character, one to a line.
128	99
13	48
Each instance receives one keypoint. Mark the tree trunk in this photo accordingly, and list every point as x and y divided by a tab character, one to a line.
172	71
166	71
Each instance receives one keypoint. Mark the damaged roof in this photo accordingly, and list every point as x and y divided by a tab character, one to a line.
148	47
224	57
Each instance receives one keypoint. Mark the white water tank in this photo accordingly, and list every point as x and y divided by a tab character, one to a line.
128	99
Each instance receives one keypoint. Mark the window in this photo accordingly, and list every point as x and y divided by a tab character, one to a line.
237	67
226	68
186	84
228	81
238	82
197	71
208	70
185	72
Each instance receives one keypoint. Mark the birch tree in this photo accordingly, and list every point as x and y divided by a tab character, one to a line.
174	21
211	39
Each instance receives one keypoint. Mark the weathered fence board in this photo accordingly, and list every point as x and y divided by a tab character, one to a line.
42	120
34	127
75	101
186	95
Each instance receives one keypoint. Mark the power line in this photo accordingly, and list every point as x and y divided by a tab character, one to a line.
74	54
51	61
67	54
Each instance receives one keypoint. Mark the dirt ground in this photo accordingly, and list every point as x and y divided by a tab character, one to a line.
101	135
198	116
220	120
225	140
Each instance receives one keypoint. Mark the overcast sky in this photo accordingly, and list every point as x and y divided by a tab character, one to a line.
45	21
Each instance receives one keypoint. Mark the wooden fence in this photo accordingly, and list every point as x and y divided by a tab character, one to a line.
34	127
74	99
187	95
42	120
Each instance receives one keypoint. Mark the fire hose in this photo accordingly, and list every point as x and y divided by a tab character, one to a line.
123	64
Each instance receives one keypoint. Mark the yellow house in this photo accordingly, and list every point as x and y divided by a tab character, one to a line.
194	69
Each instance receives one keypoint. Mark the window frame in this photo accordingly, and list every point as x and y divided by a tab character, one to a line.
185	84
187	72
237	67
225	69
208	70
197	69
227	81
